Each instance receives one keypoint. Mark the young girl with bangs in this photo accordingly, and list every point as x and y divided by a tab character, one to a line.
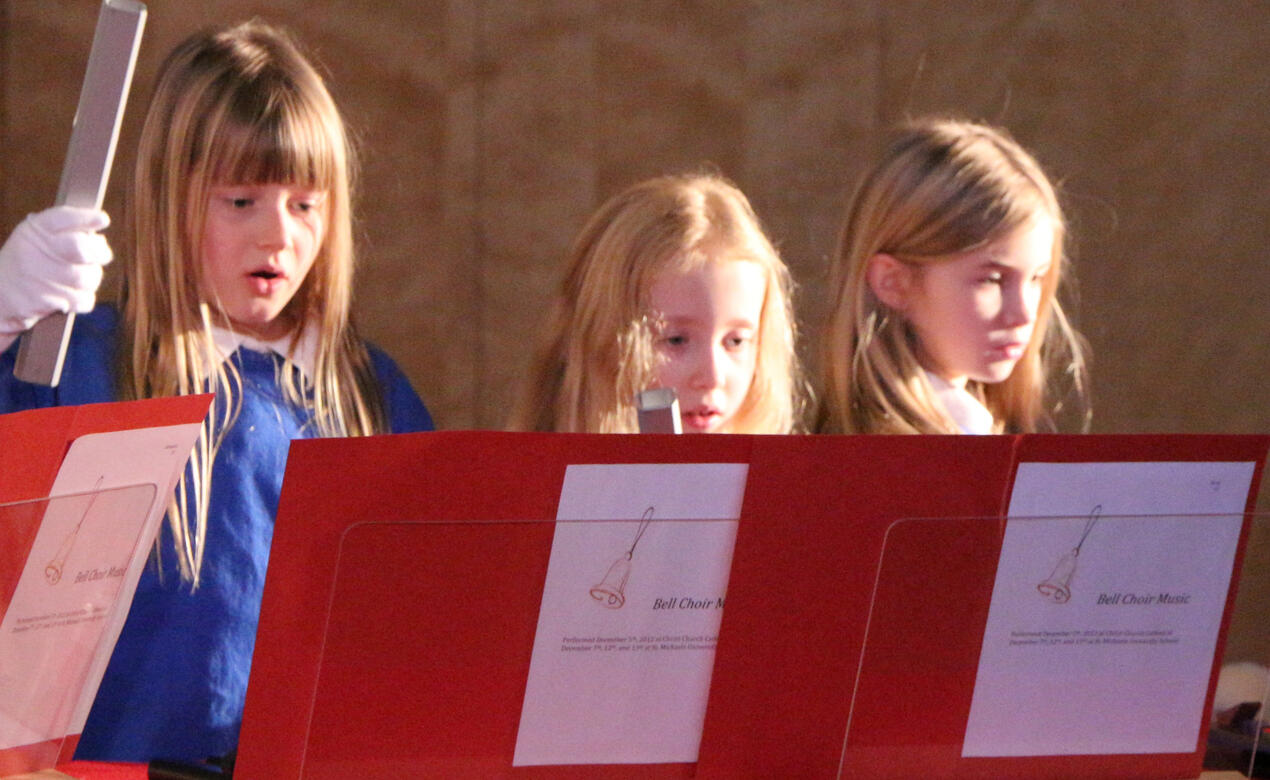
945	317
238	282
670	284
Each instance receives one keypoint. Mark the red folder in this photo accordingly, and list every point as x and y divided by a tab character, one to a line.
913	703
33	446
36	440
440	542
812	531
407	571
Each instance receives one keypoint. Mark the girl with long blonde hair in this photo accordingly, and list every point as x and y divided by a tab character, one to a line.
238	282
945	317
671	283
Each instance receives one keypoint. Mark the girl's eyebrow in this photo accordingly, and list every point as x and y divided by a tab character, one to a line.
683	319
740	322
990	263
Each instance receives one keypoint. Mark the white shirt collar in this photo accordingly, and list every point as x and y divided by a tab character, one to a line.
304	356
968	412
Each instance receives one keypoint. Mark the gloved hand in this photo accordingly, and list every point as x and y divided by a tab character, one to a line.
51	262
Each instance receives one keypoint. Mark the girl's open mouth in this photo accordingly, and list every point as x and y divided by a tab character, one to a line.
266	282
699	419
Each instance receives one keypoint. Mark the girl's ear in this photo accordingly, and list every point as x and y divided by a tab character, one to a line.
890	280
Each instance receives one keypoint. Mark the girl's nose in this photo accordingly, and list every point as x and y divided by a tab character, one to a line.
708	371
272	230
1018	305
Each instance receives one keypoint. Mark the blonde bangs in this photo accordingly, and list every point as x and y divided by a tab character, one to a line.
290	143
957	193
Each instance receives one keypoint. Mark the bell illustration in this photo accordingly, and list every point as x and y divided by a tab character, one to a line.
611	590
53	571
1058	586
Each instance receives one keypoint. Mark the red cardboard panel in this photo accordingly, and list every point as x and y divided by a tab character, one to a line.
813	525
407	571
402	598
32	446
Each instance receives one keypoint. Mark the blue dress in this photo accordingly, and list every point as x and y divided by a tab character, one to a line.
176	683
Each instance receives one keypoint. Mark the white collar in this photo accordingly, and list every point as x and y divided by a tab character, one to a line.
304	356
968	412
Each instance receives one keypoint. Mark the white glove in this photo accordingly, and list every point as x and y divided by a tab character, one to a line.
52	262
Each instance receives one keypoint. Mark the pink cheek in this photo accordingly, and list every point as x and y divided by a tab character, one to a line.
1034	306
664	376
988	301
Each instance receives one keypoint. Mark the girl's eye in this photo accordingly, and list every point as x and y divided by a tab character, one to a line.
304	206
676	340
736	340
240	203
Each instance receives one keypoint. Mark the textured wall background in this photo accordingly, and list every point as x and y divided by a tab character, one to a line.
491	128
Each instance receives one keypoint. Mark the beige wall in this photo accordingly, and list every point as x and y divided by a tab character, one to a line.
490	129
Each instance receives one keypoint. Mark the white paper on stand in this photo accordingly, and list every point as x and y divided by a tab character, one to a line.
1106	608
100	545
630	614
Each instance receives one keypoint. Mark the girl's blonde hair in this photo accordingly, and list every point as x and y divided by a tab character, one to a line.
232	106
942	187
597	353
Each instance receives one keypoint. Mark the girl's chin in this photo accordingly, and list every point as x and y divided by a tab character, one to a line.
701	423
996	373
263	326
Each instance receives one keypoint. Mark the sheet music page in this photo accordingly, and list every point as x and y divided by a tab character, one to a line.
87	554
630	614
1104	616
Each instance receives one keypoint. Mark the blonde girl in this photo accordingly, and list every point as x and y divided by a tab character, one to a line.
945	317
238	282
671	283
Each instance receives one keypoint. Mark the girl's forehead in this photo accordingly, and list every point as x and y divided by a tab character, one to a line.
730	285
1028	247
709	252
